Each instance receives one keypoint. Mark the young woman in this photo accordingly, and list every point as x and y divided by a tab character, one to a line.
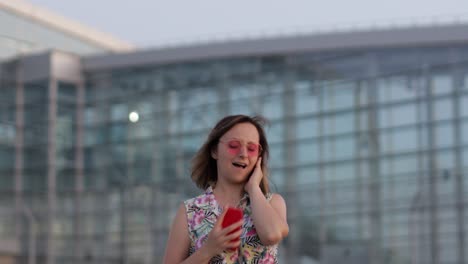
231	167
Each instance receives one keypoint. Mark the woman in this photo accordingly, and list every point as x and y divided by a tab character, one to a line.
231	167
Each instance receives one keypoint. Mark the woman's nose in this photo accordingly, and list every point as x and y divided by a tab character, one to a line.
243	152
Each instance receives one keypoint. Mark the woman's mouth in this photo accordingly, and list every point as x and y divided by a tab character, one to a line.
239	165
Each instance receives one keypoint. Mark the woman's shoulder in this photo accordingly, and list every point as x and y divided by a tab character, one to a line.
198	201
270	195
274	198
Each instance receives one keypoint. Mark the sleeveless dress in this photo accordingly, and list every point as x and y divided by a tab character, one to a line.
203	212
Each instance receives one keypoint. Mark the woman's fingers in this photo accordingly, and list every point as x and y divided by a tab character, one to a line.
221	217
259	163
232	227
234	244
235	235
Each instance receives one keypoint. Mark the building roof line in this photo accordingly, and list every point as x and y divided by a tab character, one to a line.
65	25
401	23
283	45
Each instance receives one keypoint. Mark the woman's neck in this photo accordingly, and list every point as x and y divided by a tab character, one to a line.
227	194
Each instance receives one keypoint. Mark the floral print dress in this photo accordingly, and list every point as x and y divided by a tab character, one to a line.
203	212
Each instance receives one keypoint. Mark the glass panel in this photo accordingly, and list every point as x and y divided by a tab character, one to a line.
276	155
399	140
363	118
327	96
400	165
36	135
339	124
273	106
306	98
397	88
307	178
464	106
447	229
362	93
32	36
464	132
443	109
398	116
442	84
344	94
344	147
465	83
242	96
345	173
144	129
405	188
445	160
307	152
465	174
7	143
118	132
444	135
119	112
275	132
306	128
344	123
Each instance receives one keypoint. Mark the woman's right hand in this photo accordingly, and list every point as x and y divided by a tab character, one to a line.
219	239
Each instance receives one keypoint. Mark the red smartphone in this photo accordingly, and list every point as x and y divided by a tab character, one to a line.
232	216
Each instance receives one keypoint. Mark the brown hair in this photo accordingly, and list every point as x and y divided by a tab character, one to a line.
204	168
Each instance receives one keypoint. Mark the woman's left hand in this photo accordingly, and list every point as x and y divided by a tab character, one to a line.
255	177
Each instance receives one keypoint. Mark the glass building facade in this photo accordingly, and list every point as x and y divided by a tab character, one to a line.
25	29
369	147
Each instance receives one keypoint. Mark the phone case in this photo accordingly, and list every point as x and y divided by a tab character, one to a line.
232	215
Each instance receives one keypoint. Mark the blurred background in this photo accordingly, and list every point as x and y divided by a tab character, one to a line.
367	103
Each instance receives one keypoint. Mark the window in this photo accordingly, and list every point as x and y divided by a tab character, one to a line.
275	132
397	88
118	132
308	176
339	124
306	128
119	112
443	109
464	106
276	155
464	132
307	152
444	135
344	123
344	94
442	84
345	172
399	165
397	116
344	147
399	140
273	106
306	97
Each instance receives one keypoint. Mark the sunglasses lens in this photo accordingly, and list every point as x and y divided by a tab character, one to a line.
234	147
252	148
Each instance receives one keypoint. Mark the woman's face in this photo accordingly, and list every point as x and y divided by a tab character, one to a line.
237	153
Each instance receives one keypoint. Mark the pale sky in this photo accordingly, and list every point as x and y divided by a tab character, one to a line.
147	23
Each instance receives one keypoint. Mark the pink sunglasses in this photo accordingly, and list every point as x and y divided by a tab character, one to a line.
234	147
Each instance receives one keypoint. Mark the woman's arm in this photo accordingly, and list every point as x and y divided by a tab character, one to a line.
269	217
218	240
178	242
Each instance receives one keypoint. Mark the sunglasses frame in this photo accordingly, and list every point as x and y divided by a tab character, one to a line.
260	149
